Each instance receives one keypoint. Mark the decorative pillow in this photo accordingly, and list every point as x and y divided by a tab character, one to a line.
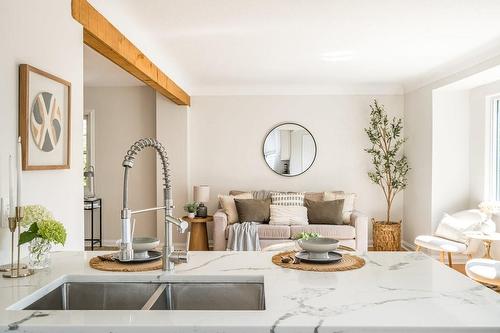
229	207
454	226
252	210
471	215
319	196
325	212
287	198
288	215
314	196
261	194
349	199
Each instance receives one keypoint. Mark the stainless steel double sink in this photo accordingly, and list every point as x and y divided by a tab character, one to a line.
176	295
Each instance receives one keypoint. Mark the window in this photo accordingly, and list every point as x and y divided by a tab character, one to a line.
494	182
86	161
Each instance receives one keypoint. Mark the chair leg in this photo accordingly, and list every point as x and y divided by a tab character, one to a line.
441	256
450	263
417	249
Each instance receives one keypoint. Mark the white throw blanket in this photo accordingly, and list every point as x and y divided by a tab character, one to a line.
243	237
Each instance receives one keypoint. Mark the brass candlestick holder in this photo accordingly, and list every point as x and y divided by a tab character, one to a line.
11	266
17	271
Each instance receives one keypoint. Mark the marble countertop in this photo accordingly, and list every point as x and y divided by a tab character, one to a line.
396	292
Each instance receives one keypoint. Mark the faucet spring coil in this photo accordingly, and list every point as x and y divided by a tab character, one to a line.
140	145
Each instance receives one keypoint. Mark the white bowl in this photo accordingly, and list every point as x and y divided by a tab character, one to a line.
318	248
141	246
144	243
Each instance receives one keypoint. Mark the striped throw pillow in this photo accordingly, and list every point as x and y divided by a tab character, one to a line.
288	215
287	198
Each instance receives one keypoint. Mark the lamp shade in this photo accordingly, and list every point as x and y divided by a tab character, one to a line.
201	193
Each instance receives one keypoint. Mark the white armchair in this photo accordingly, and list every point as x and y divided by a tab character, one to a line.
484	270
450	236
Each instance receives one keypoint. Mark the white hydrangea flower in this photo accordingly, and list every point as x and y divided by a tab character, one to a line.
35	214
489	207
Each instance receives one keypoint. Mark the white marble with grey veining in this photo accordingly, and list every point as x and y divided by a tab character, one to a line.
393	292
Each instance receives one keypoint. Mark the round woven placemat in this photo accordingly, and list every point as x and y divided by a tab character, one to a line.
106	263
347	262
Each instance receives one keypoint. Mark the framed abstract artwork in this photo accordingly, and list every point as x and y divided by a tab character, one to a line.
44	119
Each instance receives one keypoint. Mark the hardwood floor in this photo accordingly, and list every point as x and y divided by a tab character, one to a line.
459	268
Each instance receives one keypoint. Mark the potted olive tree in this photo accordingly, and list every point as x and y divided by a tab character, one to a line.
390	168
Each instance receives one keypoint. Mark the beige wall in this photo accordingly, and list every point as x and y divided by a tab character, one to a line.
42	34
172	128
418	149
122	116
450	153
227	132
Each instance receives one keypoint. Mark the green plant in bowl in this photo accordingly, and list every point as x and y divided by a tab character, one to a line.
191	207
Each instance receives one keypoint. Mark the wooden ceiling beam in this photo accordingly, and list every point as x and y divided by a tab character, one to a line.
102	36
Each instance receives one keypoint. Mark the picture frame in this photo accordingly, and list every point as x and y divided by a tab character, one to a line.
44	119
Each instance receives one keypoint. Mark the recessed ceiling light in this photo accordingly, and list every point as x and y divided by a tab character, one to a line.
337	56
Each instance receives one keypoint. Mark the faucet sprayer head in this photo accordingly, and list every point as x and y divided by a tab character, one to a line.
128	163
180	223
183	225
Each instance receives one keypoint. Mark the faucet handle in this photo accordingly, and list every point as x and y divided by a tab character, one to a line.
179	256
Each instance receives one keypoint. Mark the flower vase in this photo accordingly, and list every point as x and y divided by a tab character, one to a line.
488	227
191	215
39	249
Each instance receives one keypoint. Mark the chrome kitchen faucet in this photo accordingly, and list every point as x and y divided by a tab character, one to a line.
169	255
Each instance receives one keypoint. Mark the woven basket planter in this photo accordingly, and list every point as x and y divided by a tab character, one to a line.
386	236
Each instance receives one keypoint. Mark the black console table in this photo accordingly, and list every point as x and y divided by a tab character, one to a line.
91	204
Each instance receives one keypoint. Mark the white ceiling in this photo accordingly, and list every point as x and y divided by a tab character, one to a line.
101	72
306	46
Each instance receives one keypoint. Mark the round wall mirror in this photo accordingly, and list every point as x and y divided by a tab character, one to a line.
289	149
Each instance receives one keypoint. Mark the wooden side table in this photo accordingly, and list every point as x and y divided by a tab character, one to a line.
199	236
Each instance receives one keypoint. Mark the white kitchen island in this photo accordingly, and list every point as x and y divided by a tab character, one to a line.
393	292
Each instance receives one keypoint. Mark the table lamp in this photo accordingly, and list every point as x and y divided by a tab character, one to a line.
201	195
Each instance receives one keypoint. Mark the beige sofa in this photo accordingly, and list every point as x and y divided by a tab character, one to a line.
353	233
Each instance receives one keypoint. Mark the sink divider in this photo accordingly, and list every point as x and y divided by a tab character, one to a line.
154	297
64	294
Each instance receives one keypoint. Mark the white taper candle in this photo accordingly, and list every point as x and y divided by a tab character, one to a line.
19	172
11	188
